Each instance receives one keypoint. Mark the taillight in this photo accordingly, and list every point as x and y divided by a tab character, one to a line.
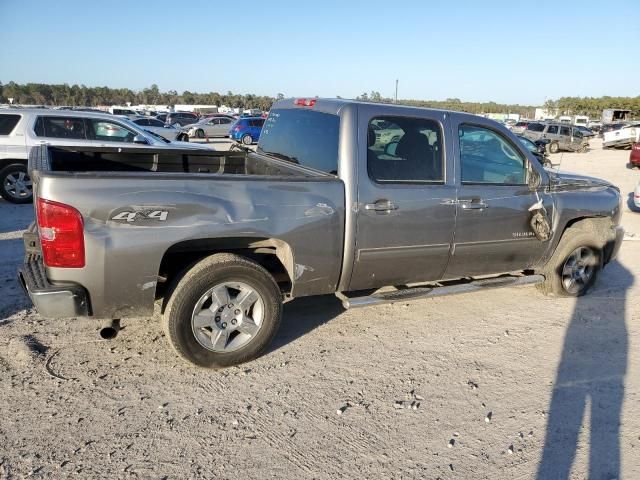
636	146
237	128
305	102
61	234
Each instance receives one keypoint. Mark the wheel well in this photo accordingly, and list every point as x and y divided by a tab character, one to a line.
599	226
272	254
9	161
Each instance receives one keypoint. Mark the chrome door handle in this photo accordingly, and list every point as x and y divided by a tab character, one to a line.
449	201
473	204
381	206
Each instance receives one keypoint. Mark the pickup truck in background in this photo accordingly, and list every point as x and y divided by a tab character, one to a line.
330	203
622	137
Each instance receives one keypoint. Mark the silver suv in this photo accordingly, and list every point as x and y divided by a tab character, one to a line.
21	129
560	135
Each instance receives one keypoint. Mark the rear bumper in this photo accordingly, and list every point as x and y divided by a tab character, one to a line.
51	301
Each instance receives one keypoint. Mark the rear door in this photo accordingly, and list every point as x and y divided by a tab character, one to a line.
492	232
59	130
406	198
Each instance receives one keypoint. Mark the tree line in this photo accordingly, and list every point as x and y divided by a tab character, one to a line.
81	95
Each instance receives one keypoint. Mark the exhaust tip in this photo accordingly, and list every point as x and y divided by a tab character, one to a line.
110	330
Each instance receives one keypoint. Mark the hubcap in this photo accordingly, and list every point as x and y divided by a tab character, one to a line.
227	317
18	185
578	269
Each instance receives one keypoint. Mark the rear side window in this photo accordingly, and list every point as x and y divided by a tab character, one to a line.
553	129
404	150
488	157
535	127
256	123
60	127
303	136
8	123
565	131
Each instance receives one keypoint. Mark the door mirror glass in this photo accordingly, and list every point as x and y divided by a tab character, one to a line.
140	139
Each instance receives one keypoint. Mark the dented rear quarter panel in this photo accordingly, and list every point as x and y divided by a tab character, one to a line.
123	258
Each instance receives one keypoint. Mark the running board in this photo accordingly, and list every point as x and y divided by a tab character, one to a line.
414	293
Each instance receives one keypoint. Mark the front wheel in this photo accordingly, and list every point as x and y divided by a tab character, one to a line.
15	184
554	147
200	133
223	311
247	140
575	265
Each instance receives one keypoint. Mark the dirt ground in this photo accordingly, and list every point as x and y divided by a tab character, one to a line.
508	384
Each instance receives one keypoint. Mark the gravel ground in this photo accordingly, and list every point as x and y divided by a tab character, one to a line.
504	385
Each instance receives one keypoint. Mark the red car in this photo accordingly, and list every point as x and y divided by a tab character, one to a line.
634	156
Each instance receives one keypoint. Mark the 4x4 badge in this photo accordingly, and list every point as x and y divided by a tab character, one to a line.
160	215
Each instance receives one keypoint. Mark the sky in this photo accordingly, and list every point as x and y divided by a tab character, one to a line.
505	51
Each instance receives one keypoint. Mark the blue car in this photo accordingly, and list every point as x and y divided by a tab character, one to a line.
247	130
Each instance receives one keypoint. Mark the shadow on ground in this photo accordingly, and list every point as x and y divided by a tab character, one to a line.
590	375
303	315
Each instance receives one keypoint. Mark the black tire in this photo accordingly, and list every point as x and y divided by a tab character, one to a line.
183	138
554	147
214	270
246	139
574	238
200	133
8	188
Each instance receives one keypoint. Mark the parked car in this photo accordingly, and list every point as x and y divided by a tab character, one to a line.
586	132
181	118
634	156
167	131
210	127
608	127
537	148
228	236
21	129
122	111
519	127
560	136
162	117
622	137
247	130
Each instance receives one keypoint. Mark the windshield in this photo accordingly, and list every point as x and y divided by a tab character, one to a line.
302	136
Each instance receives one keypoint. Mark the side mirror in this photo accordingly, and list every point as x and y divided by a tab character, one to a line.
390	149
140	139
534	180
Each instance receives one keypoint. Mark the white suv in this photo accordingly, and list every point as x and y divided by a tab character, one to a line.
21	129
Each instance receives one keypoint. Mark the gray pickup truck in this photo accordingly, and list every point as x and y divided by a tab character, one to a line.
373	203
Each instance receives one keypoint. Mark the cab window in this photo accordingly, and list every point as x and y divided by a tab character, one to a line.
487	157
405	150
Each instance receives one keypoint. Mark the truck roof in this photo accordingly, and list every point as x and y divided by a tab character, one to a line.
335	105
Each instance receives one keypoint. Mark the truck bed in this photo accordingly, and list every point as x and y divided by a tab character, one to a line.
140	205
107	159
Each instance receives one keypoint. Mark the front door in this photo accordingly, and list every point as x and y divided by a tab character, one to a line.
406	200
493	234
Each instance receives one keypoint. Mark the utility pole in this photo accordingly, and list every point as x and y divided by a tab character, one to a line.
396	97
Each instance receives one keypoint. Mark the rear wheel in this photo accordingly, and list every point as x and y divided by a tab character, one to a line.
247	140
200	133
15	184
554	147
223	311
575	265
